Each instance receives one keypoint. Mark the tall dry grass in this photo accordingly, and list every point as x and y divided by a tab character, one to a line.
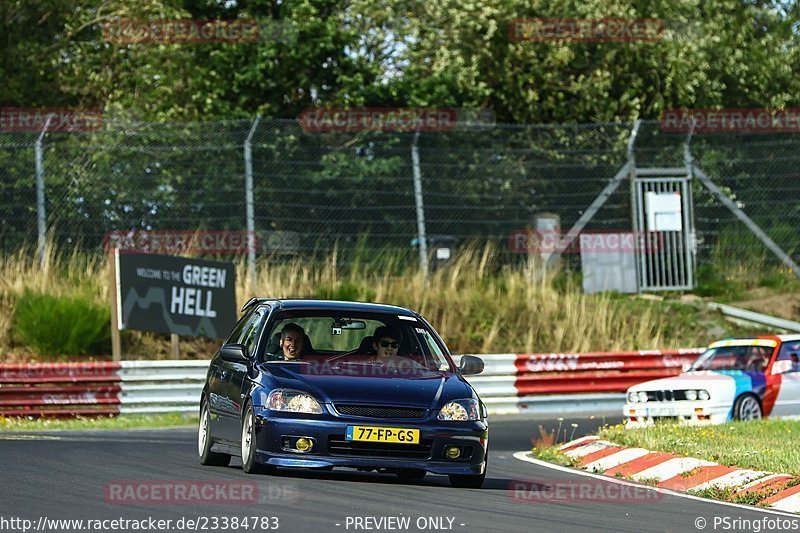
476	304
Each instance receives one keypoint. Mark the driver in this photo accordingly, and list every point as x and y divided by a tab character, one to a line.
293	341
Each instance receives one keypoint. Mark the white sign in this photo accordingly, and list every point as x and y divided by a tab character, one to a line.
664	211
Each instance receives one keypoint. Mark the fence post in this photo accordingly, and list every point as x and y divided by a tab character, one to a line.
249	209
418	200
576	229
41	214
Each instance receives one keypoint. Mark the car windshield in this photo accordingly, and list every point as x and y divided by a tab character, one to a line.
747	358
353	339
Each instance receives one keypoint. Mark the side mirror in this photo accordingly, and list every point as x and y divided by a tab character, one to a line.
234	353
471	365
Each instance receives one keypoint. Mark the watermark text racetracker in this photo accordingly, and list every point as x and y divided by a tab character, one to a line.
183	31
14	119
731	120
183	492
181	242
149	523
585	491
553	241
395	119
585	30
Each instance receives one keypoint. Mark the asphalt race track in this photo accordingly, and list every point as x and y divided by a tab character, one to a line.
67	475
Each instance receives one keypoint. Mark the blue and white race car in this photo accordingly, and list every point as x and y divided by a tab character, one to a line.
734	379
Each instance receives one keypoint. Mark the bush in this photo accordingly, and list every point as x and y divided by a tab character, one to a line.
347	292
56	325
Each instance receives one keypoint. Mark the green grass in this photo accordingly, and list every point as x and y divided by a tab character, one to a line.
727	494
554	456
100	422
55	324
769	445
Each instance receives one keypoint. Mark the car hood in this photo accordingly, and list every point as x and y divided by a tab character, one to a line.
714	382
429	389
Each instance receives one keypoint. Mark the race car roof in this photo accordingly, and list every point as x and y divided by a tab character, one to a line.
760	341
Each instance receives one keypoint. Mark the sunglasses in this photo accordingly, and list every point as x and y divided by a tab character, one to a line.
386	344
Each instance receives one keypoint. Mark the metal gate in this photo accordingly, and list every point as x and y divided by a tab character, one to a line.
663	221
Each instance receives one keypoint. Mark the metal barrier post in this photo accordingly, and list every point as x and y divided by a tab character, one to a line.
249	209
41	214
418	200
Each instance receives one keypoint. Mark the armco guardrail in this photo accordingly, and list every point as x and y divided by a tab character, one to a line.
510	383
71	389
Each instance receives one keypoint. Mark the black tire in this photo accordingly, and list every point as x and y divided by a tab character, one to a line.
747	407
204	442
410	474
249	463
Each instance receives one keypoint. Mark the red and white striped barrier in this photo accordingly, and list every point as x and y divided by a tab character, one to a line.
682	473
511	383
550	383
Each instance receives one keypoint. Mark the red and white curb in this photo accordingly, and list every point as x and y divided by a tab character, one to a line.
677	473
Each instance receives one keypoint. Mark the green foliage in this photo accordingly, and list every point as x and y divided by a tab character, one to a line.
712	281
349	292
555	456
61	325
726	53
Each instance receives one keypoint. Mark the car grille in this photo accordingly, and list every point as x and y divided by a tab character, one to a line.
666	395
380	411
337	445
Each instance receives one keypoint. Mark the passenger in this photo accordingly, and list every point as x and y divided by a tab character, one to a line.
795	362
385	343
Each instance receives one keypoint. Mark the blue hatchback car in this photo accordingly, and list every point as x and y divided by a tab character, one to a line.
325	384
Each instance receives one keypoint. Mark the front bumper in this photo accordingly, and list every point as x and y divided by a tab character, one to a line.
696	413
328	430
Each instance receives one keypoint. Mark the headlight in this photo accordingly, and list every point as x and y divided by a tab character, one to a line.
691	395
633	397
460	410
642	396
703	395
293	402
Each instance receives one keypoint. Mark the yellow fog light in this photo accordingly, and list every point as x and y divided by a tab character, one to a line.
452	452
303	444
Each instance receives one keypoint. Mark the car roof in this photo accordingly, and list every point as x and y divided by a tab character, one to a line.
744	340
333	305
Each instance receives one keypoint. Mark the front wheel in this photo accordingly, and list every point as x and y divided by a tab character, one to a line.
747	408
207	457
249	463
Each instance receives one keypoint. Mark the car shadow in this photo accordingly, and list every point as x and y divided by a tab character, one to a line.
353	476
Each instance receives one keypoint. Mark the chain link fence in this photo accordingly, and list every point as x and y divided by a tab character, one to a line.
316	192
